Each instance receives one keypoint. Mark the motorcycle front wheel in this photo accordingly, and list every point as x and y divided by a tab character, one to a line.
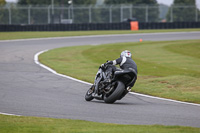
88	95
116	94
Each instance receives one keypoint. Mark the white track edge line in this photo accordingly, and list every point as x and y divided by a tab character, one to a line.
164	99
8	114
54	72
133	93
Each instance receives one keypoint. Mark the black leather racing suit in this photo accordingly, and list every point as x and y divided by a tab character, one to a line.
125	63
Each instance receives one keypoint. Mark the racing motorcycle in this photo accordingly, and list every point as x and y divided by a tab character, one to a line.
114	90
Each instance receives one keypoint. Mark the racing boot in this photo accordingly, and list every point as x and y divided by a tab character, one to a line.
128	88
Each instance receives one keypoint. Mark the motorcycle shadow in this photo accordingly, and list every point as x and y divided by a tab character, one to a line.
116	103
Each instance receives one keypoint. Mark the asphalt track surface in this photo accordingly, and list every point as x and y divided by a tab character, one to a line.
30	90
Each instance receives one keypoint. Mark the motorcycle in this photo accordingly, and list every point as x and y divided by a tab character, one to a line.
114	90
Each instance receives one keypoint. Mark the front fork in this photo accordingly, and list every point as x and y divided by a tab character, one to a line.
98	78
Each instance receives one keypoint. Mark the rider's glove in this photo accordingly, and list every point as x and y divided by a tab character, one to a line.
109	62
102	65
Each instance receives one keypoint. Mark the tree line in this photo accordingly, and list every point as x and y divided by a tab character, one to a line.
183	10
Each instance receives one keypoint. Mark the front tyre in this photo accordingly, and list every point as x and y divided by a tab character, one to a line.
88	95
116	94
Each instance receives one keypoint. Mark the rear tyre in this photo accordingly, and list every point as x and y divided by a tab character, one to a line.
88	95
116	94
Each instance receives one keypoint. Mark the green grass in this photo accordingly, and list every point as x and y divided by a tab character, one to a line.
168	69
16	124
39	34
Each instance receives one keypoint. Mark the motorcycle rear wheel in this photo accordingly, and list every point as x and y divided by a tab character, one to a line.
116	94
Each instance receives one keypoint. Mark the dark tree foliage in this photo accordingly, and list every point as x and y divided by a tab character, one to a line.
182	11
2	2
56	2
137	2
140	9
4	13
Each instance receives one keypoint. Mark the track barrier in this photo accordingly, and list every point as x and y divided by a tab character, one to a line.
100	26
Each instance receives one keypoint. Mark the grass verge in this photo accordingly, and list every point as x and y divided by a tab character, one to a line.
43	34
168	69
21	124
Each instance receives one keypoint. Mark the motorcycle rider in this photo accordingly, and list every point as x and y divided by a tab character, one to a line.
125	62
